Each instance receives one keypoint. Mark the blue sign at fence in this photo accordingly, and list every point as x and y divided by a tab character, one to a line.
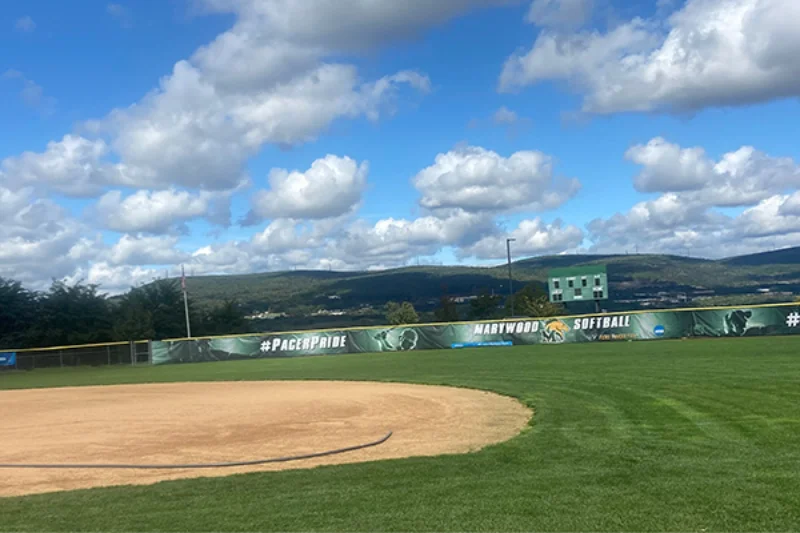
8	359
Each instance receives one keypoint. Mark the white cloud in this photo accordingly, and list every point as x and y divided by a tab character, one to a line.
331	187
476	179
791	206
709	53
668	167
159	211
194	133
742	177
25	24
114	279
39	240
138	250
694	186
775	215
394	242
531	237
360	24
71	166
281	236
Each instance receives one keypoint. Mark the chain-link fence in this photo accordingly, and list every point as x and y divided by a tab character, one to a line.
117	353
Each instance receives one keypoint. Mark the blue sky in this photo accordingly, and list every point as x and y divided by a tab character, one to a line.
438	131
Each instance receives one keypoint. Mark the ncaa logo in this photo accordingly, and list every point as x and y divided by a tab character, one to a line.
659	331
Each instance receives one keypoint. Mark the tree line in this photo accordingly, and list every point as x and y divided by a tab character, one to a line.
68	314
530	301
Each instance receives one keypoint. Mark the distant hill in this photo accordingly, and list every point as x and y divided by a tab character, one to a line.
635	281
786	256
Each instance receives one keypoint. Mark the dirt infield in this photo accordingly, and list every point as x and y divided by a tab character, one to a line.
235	421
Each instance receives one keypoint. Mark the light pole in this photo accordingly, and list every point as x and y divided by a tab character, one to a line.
510	288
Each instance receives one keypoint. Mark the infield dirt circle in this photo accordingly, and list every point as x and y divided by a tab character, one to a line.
190	423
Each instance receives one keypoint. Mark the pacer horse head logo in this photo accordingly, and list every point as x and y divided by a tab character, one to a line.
554	331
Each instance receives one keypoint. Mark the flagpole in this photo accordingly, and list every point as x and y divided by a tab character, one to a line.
185	303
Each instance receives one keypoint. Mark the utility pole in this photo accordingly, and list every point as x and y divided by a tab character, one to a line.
510	288
185	303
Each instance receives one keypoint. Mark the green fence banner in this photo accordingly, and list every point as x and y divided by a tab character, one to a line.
722	322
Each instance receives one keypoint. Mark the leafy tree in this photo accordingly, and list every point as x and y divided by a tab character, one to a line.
484	306
72	314
132	318
403	313
447	310
226	318
164	300
533	301
18	310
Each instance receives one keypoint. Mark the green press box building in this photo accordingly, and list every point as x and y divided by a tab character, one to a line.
578	284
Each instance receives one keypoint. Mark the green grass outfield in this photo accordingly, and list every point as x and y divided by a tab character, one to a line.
699	435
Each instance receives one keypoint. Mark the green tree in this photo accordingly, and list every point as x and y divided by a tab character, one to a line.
18	311
225	318
132	318
484	306
403	313
533	301
447	310
72	314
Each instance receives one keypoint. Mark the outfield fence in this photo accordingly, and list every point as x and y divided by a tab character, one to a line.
746	321
103	354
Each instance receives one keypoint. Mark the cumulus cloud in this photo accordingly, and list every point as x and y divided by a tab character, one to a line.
708	53
694	187
367	24
73	166
331	187
480	180
39	240
138	250
532	237
740	178
114	279
159	211
393	241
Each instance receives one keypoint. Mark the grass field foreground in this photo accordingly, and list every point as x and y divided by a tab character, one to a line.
650	436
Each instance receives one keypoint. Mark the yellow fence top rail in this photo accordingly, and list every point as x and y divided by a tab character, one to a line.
71	347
